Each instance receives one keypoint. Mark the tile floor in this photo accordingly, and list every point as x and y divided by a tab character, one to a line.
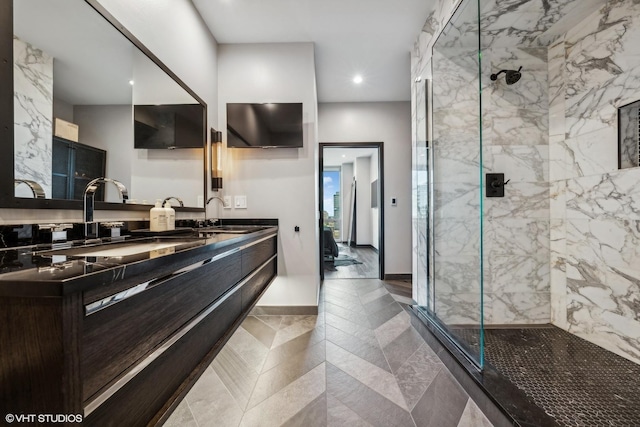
359	362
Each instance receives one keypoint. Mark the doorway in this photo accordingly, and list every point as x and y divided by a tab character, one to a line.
351	225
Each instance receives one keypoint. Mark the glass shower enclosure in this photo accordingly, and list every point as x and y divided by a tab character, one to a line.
454	171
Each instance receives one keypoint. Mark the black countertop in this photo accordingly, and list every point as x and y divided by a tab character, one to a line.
45	271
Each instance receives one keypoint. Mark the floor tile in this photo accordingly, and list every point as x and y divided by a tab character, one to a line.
238	377
249	348
260	330
341	286
369	405
312	415
211	402
181	417
289	401
373	295
384	314
402	348
273	321
286	372
403	299
289	349
442	404
472	416
364	333
359	318
353	305
336	294
377	379
379	303
371	353
392	328
339	415
294	330
358	363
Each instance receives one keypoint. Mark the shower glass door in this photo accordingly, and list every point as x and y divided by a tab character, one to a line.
456	280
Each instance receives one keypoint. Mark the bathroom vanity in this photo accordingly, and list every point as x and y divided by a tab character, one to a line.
118	332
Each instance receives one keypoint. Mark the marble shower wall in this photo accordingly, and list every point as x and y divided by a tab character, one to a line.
595	208
516	143
33	109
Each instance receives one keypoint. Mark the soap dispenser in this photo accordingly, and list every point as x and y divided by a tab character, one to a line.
158	218
171	216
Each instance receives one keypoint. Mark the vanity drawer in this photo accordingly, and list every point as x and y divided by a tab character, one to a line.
252	289
141	400
116	337
254	256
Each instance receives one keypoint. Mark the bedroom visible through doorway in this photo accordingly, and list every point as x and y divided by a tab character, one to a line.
351	211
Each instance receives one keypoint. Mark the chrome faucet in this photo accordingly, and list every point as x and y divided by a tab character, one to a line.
216	197
178	199
90	226
36	189
215	220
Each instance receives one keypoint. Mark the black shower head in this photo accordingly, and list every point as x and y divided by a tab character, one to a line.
511	76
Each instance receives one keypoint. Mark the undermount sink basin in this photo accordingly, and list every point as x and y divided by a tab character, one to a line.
130	249
123	248
231	229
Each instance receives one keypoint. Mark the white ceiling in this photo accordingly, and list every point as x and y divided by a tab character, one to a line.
372	38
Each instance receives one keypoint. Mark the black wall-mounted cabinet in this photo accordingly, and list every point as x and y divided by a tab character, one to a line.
74	165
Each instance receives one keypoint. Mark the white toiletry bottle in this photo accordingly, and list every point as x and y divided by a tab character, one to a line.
158	220
171	216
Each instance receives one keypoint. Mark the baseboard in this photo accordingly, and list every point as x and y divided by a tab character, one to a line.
279	310
399	277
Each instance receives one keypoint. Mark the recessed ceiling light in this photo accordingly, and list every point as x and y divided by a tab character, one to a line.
344	155
131	82
357	79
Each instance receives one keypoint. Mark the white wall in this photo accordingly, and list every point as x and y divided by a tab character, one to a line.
104	127
389	122
282	182
363	200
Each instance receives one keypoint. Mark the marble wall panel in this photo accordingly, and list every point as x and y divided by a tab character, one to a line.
592	153
558	273
519	308
615	195
612	331
603	67
33	112
519	163
522	200
527	237
557	200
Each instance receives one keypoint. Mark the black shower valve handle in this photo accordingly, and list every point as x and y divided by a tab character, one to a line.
498	184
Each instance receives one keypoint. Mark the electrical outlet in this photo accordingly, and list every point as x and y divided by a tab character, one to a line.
227	202
240	202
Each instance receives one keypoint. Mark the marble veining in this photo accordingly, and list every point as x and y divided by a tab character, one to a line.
33	111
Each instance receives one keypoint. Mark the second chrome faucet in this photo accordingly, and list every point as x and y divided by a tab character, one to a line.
91	226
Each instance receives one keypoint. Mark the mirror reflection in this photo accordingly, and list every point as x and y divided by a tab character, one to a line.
76	81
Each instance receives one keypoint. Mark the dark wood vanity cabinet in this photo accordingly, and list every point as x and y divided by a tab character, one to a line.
129	362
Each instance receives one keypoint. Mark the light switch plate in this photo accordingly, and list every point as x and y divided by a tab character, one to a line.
227	202
240	202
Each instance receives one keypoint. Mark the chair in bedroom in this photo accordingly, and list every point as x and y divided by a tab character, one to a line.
330	245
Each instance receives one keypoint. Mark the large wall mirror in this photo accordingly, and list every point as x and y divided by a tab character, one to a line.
78	81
